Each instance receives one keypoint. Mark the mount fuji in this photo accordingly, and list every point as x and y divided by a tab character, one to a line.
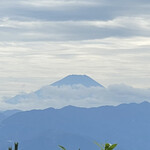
59	91
76	80
77	90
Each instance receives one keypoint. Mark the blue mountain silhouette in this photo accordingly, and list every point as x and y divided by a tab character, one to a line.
74	127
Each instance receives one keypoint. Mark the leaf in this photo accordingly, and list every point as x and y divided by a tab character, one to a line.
62	147
101	147
107	145
112	147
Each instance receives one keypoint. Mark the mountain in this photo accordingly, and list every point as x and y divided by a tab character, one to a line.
77	79
75	127
7	113
56	91
2	116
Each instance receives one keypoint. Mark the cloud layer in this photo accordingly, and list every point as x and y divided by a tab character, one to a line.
71	20
76	95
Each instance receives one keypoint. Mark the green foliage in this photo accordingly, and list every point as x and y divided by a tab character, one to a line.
107	146
63	147
15	147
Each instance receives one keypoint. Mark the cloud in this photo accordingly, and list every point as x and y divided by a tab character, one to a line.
42	41
72	9
57	4
73	30
71	20
77	95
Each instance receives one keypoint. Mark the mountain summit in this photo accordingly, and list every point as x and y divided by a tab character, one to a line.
49	93
77	79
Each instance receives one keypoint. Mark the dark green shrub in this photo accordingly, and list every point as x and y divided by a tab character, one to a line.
15	147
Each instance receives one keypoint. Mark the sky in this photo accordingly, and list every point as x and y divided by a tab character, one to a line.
44	41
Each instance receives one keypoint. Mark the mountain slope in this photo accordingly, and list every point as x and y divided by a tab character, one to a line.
6	114
2	116
77	79
70	126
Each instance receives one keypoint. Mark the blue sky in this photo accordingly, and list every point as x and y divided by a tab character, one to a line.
43	41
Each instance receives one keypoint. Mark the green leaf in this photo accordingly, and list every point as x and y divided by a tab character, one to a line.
62	147
107	145
112	147
101	147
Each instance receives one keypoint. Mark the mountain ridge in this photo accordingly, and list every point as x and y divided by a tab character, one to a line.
70	126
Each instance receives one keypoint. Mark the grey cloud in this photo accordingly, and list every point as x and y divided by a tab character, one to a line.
73	30
74	10
65	10
70	20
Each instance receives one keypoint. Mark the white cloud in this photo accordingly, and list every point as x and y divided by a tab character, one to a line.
57	3
78	96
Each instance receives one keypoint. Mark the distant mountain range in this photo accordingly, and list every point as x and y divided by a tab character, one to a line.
75	127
